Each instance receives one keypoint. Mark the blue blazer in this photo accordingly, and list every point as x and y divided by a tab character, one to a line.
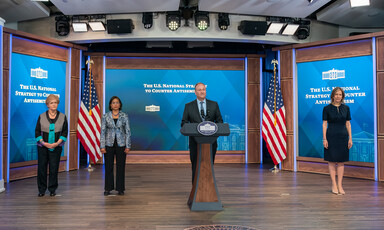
121	131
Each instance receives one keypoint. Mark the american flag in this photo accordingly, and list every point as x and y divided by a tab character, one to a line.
88	127
273	128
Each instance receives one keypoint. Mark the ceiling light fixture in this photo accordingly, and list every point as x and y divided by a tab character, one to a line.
303	30
147	20
79	27
290	29
201	20
96	26
173	20
223	21
275	27
62	25
358	3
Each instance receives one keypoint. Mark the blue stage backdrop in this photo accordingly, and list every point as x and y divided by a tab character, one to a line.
155	99
315	83
32	80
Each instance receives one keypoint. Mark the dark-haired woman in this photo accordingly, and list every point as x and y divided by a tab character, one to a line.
337	137
115	140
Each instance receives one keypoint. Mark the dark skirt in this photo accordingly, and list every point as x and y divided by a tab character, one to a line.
337	137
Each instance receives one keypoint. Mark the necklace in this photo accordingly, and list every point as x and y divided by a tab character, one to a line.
115	114
52	114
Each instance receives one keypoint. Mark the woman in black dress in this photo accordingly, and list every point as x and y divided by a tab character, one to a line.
337	137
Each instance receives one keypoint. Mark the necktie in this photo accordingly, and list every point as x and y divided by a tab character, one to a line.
202	110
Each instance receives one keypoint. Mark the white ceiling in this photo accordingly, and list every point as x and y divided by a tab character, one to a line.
75	7
20	10
282	8
359	17
337	12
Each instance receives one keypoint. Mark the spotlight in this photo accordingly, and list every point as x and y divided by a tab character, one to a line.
173	20
79	27
147	20
201	20
62	25
290	29
275	27
357	3
303	30
96	26
223	21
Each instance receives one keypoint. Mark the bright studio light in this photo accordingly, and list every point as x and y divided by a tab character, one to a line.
357	3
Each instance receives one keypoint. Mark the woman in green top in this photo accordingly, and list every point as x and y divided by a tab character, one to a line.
51	133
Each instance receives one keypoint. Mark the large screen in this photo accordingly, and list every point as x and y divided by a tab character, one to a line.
315	82
32	80
154	101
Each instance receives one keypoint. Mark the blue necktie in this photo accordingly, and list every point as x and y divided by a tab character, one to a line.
202	110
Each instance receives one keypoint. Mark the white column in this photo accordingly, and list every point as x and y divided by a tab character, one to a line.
2	189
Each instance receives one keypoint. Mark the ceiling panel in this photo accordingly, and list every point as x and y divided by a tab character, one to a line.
282	8
76	7
341	13
21	10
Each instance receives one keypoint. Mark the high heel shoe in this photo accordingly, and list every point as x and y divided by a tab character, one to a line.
335	191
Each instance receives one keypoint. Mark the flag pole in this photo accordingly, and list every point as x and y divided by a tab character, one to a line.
274	62
89	63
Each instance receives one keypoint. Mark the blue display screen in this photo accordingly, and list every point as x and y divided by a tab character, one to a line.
315	82
32	80
154	101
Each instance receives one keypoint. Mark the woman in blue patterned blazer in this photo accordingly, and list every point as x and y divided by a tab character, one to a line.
115	140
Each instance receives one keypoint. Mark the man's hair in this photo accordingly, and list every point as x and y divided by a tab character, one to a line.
199	84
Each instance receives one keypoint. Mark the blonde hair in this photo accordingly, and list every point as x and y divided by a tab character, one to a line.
52	97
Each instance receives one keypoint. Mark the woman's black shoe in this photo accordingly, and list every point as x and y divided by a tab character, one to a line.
121	193
107	193
52	194
41	194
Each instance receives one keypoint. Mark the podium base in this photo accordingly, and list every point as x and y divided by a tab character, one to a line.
205	206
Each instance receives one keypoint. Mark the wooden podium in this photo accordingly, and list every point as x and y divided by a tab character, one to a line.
204	195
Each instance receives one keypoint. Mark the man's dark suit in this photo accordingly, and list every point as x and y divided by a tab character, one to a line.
192	115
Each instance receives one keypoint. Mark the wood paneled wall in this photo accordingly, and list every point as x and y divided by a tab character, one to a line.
73	155
286	81
6	40
186	61
325	50
33	45
254	110
380	105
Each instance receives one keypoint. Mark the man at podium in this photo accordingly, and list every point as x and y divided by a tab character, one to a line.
197	111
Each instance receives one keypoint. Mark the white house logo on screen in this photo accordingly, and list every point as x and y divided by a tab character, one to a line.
39	73
207	128
152	108
333	74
